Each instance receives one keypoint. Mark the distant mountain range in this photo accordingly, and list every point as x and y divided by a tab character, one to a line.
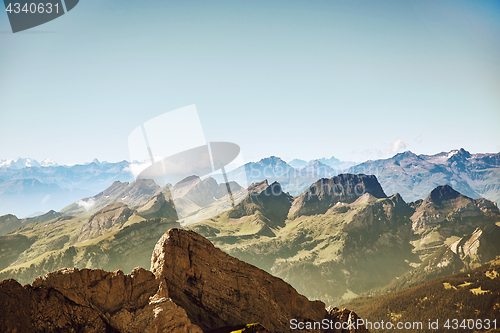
20	163
413	176
332	162
27	186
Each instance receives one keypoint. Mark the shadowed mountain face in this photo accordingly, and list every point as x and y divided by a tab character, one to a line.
268	200
442	193
451	232
263	210
414	176
325	193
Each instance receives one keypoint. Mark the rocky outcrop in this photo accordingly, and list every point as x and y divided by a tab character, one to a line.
451	210
325	193
72	300
218	290
110	218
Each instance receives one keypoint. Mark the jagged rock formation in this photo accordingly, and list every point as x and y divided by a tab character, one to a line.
195	286
270	200
72	300
158	206
218	290
325	193
131	194
110	218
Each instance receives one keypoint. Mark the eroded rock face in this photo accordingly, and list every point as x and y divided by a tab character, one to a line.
112	217
217	290
72	300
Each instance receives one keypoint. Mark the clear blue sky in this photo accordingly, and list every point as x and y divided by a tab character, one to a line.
354	79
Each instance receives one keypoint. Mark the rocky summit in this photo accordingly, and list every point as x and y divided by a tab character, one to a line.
193	287
227	291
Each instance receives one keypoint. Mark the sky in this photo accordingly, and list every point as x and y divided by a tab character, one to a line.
356	80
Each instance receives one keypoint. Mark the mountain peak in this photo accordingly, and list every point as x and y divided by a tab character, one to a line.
405	154
443	193
324	193
464	153
19	163
271	160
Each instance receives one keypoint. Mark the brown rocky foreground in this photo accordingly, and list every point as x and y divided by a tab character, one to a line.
192	287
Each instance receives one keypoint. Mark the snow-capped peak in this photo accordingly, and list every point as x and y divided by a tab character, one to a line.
19	163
